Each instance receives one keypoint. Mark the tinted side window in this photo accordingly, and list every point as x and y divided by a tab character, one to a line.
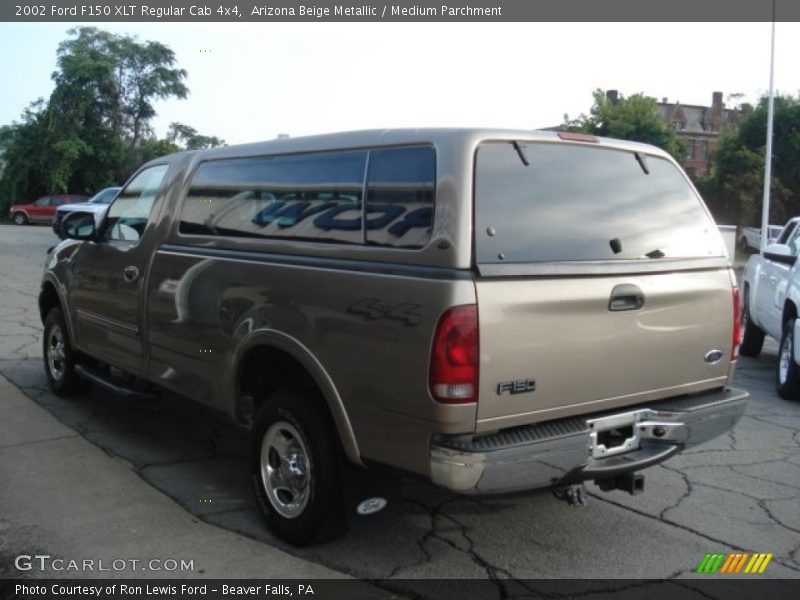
128	215
400	193
577	203
310	196
794	242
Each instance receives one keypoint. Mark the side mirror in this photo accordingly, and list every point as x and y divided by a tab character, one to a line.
79	226
780	253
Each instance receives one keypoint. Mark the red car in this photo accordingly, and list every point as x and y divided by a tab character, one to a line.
43	210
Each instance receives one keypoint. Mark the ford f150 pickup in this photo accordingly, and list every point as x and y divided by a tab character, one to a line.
491	310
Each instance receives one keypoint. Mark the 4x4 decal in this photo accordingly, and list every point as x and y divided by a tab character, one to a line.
373	309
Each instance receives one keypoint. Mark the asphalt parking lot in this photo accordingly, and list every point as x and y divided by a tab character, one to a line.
740	492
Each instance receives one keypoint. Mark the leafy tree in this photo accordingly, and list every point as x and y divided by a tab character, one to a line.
123	76
633	118
95	128
735	184
191	139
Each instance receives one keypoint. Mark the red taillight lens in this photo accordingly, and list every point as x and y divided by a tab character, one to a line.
737	324
454	356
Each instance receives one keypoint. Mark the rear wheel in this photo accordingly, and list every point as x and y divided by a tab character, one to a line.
60	358
787	379
20	218
753	338
296	468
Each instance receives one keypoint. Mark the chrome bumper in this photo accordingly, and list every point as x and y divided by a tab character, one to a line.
572	450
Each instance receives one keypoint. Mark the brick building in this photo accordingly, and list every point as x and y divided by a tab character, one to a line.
698	127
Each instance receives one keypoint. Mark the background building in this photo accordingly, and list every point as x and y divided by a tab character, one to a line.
698	127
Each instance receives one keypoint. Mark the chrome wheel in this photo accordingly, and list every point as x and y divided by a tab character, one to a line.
19	219
56	356
285	469
784	358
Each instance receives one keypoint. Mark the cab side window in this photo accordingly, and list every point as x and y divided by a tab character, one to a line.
794	242
130	212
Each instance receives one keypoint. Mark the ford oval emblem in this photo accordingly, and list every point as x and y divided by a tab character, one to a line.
371	505
713	356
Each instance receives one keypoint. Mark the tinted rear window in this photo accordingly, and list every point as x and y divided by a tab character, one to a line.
579	203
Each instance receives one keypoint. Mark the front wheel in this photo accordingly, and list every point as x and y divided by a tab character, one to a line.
20	218
60	357
296	468
787	380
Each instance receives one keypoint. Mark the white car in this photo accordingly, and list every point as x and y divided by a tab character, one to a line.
97	205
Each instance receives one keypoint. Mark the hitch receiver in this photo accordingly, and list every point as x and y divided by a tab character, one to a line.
633	483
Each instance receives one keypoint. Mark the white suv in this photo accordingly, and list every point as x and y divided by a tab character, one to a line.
97	205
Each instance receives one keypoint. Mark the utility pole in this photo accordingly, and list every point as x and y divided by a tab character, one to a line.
768	157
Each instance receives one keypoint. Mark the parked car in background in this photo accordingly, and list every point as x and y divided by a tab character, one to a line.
770	301
97	205
42	210
750	237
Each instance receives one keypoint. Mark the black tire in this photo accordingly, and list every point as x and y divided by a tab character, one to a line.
302	500
19	218
787	374
753	336
60	358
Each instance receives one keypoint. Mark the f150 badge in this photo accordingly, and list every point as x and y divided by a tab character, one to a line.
520	386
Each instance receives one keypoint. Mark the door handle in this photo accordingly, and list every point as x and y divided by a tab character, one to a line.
130	273
626	296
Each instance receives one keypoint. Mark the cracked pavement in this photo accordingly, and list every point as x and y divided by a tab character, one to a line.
740	492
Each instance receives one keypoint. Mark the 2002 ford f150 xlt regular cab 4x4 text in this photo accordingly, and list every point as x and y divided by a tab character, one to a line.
494	311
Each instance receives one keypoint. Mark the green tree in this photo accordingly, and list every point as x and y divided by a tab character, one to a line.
95	128
634	118
190	139
735	184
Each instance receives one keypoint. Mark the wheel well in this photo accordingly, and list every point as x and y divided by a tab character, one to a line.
48	299
789	312
261	371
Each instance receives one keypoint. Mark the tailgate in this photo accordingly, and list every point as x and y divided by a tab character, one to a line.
582	357
603	280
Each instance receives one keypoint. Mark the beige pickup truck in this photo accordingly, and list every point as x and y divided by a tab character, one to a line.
493	311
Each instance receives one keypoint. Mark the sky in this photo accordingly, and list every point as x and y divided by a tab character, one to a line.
253	81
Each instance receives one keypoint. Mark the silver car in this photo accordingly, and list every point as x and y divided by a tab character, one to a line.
97	205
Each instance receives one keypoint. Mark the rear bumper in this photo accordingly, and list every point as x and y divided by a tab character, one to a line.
572	450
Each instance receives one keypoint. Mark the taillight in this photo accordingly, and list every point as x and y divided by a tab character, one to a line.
737	324
454	356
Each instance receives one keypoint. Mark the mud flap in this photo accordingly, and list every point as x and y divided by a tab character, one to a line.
370	494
